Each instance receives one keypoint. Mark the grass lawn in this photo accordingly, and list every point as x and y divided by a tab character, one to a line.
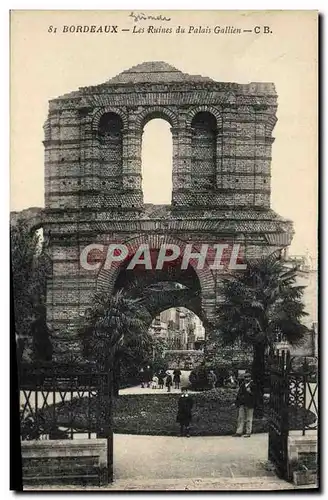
155	414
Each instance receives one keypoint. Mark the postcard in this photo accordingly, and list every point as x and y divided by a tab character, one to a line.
164	208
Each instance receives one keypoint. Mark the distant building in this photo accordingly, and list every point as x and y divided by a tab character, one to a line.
181	328
158	328
307	276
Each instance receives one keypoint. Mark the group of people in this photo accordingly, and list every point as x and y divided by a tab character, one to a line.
245	400
231	381
245	403
147	379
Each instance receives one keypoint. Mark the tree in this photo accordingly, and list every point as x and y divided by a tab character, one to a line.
42	347
116	332
159	347
29	269
260	305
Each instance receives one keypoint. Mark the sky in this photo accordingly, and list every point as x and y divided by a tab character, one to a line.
45	64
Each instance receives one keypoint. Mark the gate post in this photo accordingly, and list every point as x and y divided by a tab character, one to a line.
278	412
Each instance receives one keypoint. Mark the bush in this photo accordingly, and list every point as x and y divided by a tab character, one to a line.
305	365
222	373
129	376
221	396
198	378
160	364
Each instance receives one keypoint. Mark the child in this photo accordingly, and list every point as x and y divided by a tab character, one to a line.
169	381
184	416
154	383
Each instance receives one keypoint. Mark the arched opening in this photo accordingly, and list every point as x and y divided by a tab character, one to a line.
156	158
179	329
203	163
111	150
163	288
158	290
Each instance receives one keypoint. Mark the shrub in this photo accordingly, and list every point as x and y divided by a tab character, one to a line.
304	365
221	396
160	364
222	373
198	378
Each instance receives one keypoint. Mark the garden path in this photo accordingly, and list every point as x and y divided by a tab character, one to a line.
139	390
167	457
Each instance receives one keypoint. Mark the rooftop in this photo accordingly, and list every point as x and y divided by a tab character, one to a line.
160	72
155	72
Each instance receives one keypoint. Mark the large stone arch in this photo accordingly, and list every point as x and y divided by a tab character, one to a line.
107	277
180	298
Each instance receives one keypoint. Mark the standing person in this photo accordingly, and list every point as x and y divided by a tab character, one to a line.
142	377
177	378
168	381
161	376
154	383
148	376
212	379
245	402
231	381
184	416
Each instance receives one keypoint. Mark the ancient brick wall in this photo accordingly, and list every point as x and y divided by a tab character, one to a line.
233	170
222	145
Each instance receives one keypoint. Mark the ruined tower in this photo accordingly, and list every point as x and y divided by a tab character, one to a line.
222	145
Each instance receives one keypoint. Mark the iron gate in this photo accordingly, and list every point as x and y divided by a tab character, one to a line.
65	403
293	404
279	364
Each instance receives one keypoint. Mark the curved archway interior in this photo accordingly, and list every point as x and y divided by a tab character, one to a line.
156	160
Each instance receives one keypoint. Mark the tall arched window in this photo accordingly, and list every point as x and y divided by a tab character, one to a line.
203	163
110	138
156	157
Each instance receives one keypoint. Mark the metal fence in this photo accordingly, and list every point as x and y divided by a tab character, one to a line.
303	393
293	402
62	404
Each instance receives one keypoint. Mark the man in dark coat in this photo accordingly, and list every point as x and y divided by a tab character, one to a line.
142	377
245	402
168	381
177	378
161	376
184	416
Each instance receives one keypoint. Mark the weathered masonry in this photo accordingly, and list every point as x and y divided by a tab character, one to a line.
222	144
